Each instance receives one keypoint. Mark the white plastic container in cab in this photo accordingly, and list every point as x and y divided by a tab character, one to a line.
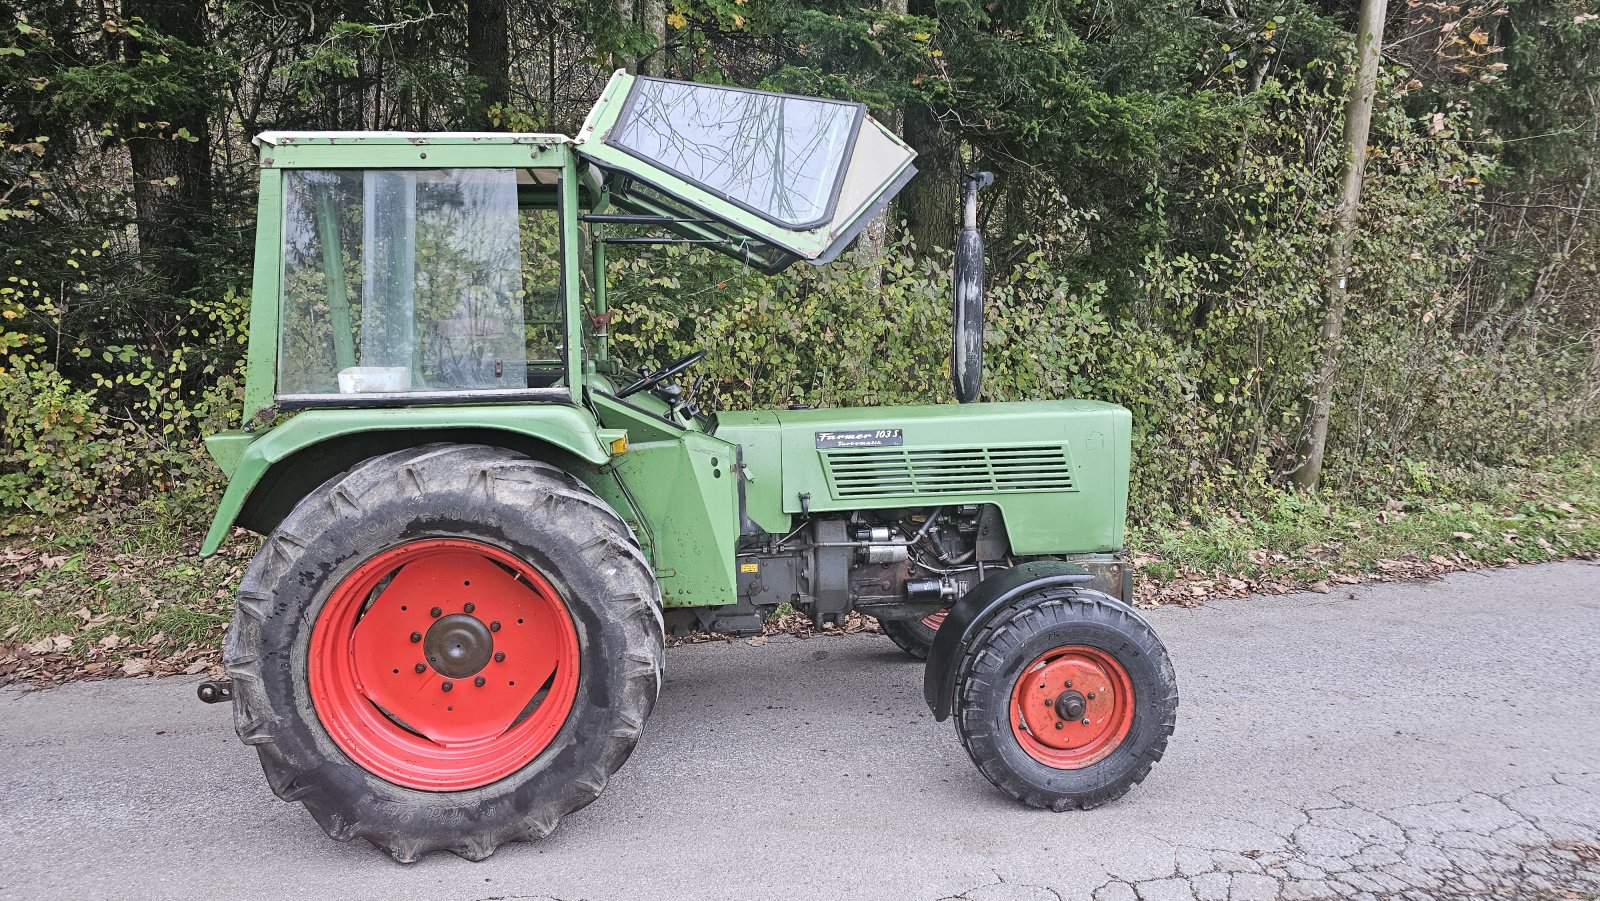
374	380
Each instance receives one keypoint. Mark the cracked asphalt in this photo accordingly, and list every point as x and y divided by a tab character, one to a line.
1421	740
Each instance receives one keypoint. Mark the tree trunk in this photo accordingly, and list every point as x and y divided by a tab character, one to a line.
653	18
171	173
1357	123
627	20
489	61
930	204
875	237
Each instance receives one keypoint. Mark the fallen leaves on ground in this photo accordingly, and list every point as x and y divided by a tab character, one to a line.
1191	588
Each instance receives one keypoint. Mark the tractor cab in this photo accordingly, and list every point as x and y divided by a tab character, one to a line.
424	269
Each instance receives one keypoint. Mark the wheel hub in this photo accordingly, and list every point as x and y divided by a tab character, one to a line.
1070	706
458	646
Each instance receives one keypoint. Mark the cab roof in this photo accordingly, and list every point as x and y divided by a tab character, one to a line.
277	138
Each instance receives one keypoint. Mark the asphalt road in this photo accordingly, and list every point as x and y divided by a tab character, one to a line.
1410	740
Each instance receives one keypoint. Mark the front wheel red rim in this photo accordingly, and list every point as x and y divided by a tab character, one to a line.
443	664
1072	706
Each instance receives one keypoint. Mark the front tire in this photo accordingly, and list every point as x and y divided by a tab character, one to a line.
383	630
1066	699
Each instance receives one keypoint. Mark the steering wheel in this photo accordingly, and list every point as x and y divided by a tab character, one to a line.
649	380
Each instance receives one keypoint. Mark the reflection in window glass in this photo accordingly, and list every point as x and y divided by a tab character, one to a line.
405	281
544	313
780	156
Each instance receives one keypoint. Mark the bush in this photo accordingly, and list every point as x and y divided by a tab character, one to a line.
132	424
1216	360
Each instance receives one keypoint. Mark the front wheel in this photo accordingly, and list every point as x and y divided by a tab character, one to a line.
1066	699
445	648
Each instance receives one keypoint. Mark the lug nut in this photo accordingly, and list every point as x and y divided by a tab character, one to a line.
449	685
478	681
494	626
416	637
469	607
1059	724
1091	696
422	668
1085	719
499	656
1049	702
435	612
1069	683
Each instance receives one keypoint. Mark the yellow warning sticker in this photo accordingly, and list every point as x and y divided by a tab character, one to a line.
749	567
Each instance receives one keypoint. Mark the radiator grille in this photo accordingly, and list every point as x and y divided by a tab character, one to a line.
884	472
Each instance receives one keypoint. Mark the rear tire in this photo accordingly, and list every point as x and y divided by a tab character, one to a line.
547	548
1066	699
914	636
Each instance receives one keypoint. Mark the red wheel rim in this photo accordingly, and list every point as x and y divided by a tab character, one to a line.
443	664
935	620
1072	706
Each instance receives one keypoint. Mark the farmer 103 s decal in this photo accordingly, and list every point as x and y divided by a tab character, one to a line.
480	524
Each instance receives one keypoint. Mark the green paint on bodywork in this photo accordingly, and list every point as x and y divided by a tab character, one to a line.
683	485
402	150
227	448
568	428
261	372
1002	453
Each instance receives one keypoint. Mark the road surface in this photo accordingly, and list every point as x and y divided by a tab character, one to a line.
1417	740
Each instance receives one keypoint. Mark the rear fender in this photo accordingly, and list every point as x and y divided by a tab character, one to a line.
271	472
974	610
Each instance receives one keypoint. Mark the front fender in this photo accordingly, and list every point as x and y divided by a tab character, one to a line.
248	459
974	610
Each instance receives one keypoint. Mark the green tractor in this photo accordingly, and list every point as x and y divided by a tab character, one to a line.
480	526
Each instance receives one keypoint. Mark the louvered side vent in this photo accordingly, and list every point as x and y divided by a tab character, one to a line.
880	472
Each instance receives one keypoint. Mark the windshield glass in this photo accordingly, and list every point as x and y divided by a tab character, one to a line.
401	281
779	156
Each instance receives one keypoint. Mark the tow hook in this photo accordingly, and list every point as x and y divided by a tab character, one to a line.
215	691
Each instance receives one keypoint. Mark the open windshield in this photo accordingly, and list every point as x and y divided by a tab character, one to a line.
766	178
412	282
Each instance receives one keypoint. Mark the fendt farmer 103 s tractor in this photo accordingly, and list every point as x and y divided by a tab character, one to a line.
480	525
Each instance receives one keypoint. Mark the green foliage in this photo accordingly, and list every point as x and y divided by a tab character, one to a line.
132	424
49	458
1214	359
823	337
1157	233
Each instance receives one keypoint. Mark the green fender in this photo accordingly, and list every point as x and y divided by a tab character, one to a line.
249	458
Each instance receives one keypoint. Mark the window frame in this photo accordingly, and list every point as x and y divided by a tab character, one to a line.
570	373
859	117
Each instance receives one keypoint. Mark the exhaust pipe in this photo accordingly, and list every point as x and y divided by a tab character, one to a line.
966	355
